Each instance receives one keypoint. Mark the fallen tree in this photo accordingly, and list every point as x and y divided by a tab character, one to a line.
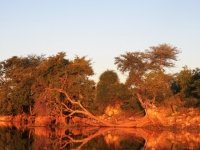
159	117
156	116
70	108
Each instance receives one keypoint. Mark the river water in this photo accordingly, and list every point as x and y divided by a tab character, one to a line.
40	138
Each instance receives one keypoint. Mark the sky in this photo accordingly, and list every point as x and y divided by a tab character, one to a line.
99	29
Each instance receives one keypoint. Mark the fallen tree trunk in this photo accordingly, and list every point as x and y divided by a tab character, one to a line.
153	116
78	108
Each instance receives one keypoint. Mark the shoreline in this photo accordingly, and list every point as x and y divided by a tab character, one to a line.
180	122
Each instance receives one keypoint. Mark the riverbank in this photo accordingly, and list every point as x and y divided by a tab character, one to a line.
156	118
20	121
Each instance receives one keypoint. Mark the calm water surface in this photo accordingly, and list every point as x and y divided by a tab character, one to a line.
95	139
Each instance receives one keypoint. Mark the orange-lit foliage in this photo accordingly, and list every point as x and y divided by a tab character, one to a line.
112	110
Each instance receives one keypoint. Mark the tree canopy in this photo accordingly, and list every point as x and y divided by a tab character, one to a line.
110	90
187	83
25	80
147	70
43	85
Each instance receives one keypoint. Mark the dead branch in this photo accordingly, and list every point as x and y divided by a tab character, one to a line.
80	110
92	120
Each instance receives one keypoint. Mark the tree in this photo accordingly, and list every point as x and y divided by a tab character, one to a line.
17	76
57	72
188	82
195	83
110	90
146	72
157	86
106	87
24	80
183	79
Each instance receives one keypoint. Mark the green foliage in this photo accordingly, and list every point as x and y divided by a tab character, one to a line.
183	79
189	83
110	90
109	76
162	56
23	80
156	85
194	86
17	76
106	86
146	70
69	75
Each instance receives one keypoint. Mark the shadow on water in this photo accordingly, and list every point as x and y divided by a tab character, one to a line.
96	139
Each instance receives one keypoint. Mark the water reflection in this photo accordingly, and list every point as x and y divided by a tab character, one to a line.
96	139
11	139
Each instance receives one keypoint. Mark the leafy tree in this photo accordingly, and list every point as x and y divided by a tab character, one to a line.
188	82
110	90
146	72
195	84
24	82
17	75
183	79
57	72
157	86
105	87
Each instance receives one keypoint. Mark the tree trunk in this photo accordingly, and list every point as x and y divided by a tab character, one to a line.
142	103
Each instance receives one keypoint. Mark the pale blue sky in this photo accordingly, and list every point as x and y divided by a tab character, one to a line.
100	29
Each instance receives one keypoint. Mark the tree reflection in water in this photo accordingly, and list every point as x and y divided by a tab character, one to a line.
95	139
12	139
